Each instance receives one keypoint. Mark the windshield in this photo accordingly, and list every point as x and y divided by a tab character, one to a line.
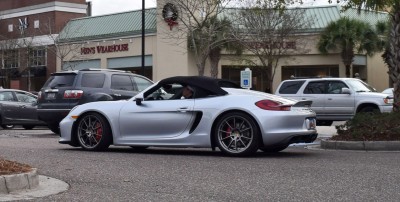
360	86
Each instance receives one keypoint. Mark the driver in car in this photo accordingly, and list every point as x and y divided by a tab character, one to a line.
187	92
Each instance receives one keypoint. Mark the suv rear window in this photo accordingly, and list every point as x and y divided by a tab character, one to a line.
60	80
290	87
93	80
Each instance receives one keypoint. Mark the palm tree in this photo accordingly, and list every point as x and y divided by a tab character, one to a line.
392	52
212	38
350	35
223	41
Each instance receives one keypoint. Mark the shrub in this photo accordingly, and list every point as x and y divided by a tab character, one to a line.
370	127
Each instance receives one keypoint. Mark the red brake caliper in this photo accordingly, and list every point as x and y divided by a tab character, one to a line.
228	131
99	131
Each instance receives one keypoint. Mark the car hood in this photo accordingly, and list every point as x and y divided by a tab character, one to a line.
373	94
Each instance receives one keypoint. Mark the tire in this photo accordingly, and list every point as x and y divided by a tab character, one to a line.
5	126
274	149
28	127
54	128
369	109
94	132
324	123
236	134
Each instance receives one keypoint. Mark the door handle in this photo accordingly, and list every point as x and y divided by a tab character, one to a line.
23	106
183	109
329	98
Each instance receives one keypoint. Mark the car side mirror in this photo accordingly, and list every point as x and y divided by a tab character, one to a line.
138	101
346	91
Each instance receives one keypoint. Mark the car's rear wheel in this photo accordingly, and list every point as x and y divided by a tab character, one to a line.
28	127
5	126
274	149
94	132
54	128
237	134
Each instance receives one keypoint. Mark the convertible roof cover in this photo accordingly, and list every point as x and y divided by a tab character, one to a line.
207	83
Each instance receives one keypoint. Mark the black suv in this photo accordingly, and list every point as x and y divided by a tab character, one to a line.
64	90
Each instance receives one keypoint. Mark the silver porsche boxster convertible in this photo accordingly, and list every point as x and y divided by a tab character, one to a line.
217	114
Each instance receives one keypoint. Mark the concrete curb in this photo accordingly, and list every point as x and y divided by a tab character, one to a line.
47	186
361	145
11	183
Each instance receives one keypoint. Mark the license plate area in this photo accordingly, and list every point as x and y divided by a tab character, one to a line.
51	96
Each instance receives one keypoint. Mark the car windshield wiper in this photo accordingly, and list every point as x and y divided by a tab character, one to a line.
362	91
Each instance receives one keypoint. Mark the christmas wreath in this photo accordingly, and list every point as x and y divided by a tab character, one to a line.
170	14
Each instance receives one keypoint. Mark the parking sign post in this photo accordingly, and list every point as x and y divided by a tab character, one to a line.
245	78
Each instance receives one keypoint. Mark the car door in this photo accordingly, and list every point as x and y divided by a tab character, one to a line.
27	107
8	107
315	91
336	102
156	119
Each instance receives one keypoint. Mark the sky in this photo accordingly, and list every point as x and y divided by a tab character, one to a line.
102	7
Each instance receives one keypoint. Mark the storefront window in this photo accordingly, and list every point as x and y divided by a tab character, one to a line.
37	57
11	59
310	71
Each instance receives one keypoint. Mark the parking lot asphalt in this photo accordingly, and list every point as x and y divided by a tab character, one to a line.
51	186
296	174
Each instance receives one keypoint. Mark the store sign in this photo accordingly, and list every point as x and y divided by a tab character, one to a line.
105	49
273	45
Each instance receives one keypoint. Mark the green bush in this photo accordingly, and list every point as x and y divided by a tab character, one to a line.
370	127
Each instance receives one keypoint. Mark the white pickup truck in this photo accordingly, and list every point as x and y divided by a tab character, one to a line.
336	99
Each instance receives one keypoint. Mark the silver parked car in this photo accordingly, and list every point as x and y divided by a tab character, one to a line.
336	99
219	114
18	107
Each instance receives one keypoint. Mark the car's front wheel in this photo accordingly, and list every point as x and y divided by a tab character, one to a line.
94	132
237	134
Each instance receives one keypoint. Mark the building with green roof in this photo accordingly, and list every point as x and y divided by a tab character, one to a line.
114	41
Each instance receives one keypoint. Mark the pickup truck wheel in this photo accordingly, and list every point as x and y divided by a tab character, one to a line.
369	109
324	123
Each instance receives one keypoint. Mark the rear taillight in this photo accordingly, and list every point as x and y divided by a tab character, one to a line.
73	94
39	95
272	105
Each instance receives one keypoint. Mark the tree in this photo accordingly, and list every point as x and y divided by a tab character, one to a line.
62	47
198	27
271	32
348	35
9	59
392	52
219	40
